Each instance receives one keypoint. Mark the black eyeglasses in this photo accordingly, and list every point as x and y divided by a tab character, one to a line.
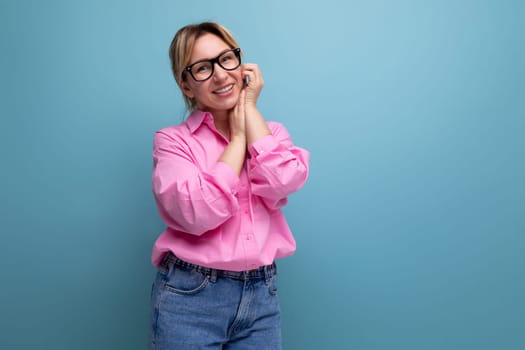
203	70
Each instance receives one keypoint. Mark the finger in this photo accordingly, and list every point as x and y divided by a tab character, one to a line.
247	78
250	69
253	72
242	101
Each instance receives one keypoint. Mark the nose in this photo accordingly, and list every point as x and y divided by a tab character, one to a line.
218	72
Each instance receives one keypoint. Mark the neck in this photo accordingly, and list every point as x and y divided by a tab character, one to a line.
222	123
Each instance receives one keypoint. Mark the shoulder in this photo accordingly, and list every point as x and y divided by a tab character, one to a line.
171	130
175	133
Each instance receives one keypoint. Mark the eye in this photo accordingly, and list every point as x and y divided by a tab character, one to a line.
227	57
201	68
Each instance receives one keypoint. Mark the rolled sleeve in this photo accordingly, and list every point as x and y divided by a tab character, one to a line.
190	199
265	144
227	175
277	168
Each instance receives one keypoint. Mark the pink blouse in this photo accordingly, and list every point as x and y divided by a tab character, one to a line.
215	218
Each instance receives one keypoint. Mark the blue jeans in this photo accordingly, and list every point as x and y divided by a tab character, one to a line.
193	307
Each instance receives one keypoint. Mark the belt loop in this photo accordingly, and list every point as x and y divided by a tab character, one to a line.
267	274
213	275
165	265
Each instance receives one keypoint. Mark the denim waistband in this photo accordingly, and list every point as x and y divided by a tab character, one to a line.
264	272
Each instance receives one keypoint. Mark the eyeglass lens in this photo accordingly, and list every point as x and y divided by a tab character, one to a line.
228	60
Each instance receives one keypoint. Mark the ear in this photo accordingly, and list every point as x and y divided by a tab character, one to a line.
186	90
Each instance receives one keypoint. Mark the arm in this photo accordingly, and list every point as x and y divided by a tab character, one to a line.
235	152
277	167
190	199
256	127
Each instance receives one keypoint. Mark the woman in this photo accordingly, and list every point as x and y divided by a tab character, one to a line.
220	179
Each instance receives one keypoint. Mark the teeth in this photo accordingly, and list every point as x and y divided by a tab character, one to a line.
226	89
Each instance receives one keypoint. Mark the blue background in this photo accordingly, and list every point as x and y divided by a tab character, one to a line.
410	230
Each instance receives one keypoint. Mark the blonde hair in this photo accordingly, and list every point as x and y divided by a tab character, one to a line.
182	46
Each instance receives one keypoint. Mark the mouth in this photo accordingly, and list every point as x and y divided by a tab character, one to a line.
224	89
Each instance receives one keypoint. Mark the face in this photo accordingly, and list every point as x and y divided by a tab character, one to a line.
219	93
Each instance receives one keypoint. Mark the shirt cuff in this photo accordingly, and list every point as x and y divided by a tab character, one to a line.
228	175
263	145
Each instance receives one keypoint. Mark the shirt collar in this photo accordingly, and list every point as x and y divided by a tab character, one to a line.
196	118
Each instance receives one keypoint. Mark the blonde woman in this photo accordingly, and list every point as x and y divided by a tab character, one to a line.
220	179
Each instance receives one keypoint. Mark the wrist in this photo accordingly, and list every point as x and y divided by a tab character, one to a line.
250	106
239	138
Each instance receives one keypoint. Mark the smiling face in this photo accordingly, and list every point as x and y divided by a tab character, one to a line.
220	93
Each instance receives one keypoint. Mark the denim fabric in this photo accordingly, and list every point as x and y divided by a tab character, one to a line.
193	307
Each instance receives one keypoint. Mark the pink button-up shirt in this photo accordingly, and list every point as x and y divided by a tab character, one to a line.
215	218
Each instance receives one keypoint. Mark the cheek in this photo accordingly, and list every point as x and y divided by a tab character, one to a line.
238	77
198	91
239	82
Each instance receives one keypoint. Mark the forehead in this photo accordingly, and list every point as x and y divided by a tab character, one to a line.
208	46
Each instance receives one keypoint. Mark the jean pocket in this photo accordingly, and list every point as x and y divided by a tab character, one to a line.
185	280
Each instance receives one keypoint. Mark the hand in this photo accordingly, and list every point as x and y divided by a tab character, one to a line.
238	117
256	83
235	153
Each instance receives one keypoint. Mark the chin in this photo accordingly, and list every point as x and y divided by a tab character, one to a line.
228	104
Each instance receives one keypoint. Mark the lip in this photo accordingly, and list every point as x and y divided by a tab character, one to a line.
224	89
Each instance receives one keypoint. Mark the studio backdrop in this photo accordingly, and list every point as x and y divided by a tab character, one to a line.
410	230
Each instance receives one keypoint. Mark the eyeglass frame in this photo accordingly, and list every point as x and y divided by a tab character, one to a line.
236	51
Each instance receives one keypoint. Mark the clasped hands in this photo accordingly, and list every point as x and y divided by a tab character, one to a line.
245	108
